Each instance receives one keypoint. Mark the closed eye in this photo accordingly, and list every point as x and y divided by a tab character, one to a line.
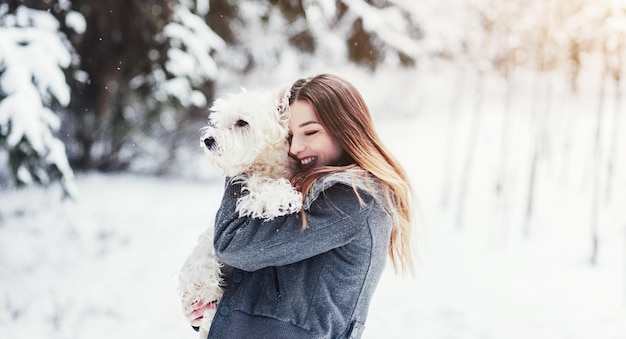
310	132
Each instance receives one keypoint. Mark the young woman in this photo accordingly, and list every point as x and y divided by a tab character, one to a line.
313	274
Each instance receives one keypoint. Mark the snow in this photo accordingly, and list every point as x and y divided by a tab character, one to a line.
32	58
387	23
190	31
105	266
76	22
202	7
189	58
32	53
181	89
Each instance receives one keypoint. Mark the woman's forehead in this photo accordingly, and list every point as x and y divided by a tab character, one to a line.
302	114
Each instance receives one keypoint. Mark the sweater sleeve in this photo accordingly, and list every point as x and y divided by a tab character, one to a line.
333	220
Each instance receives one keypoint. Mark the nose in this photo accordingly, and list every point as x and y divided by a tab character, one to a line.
209	142
295	146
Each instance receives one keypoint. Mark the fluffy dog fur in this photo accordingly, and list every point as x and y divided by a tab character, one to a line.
246	137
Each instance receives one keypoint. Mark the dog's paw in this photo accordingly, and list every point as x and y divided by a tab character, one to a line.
289	207
201	277
272	199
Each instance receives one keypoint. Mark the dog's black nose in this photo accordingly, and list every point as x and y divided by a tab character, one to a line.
209	142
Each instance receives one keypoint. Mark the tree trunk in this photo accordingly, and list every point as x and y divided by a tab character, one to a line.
501	187
614	146
597	173
540	117
450	154
570	120
471	149
535	147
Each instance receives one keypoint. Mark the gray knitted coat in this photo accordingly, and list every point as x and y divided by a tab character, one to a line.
292	283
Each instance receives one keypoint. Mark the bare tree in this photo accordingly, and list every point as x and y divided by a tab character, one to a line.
482	65
616	46
546	58
597	173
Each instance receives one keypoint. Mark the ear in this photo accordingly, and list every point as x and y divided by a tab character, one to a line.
218	105
283	104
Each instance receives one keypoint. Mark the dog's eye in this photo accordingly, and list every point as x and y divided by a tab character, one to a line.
241	123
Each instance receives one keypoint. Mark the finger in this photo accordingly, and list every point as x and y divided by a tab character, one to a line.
197	314
198	304
189	306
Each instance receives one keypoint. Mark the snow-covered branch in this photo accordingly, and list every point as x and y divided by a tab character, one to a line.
32	59
189	57
390	24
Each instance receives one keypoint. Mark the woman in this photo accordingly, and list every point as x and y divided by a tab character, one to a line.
313	274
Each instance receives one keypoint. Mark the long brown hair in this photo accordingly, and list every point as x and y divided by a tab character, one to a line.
345	115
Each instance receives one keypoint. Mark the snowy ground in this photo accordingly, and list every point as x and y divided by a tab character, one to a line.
105	266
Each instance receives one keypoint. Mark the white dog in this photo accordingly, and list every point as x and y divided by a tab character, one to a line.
246	137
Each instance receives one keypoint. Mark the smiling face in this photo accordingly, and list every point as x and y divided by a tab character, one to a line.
309	141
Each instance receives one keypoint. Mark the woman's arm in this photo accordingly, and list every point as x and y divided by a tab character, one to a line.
333	219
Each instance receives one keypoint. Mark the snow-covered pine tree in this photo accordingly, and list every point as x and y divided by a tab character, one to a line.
289	36
178	83
32	58
149	73
189	60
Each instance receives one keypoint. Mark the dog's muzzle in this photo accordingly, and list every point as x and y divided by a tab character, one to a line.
209	143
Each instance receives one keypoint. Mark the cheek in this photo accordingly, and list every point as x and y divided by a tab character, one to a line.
334	151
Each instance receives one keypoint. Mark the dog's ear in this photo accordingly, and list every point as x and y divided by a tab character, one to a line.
283	104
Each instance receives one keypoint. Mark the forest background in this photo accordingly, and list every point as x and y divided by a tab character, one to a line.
507	114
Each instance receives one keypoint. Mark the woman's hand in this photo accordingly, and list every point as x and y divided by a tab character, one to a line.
194	311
